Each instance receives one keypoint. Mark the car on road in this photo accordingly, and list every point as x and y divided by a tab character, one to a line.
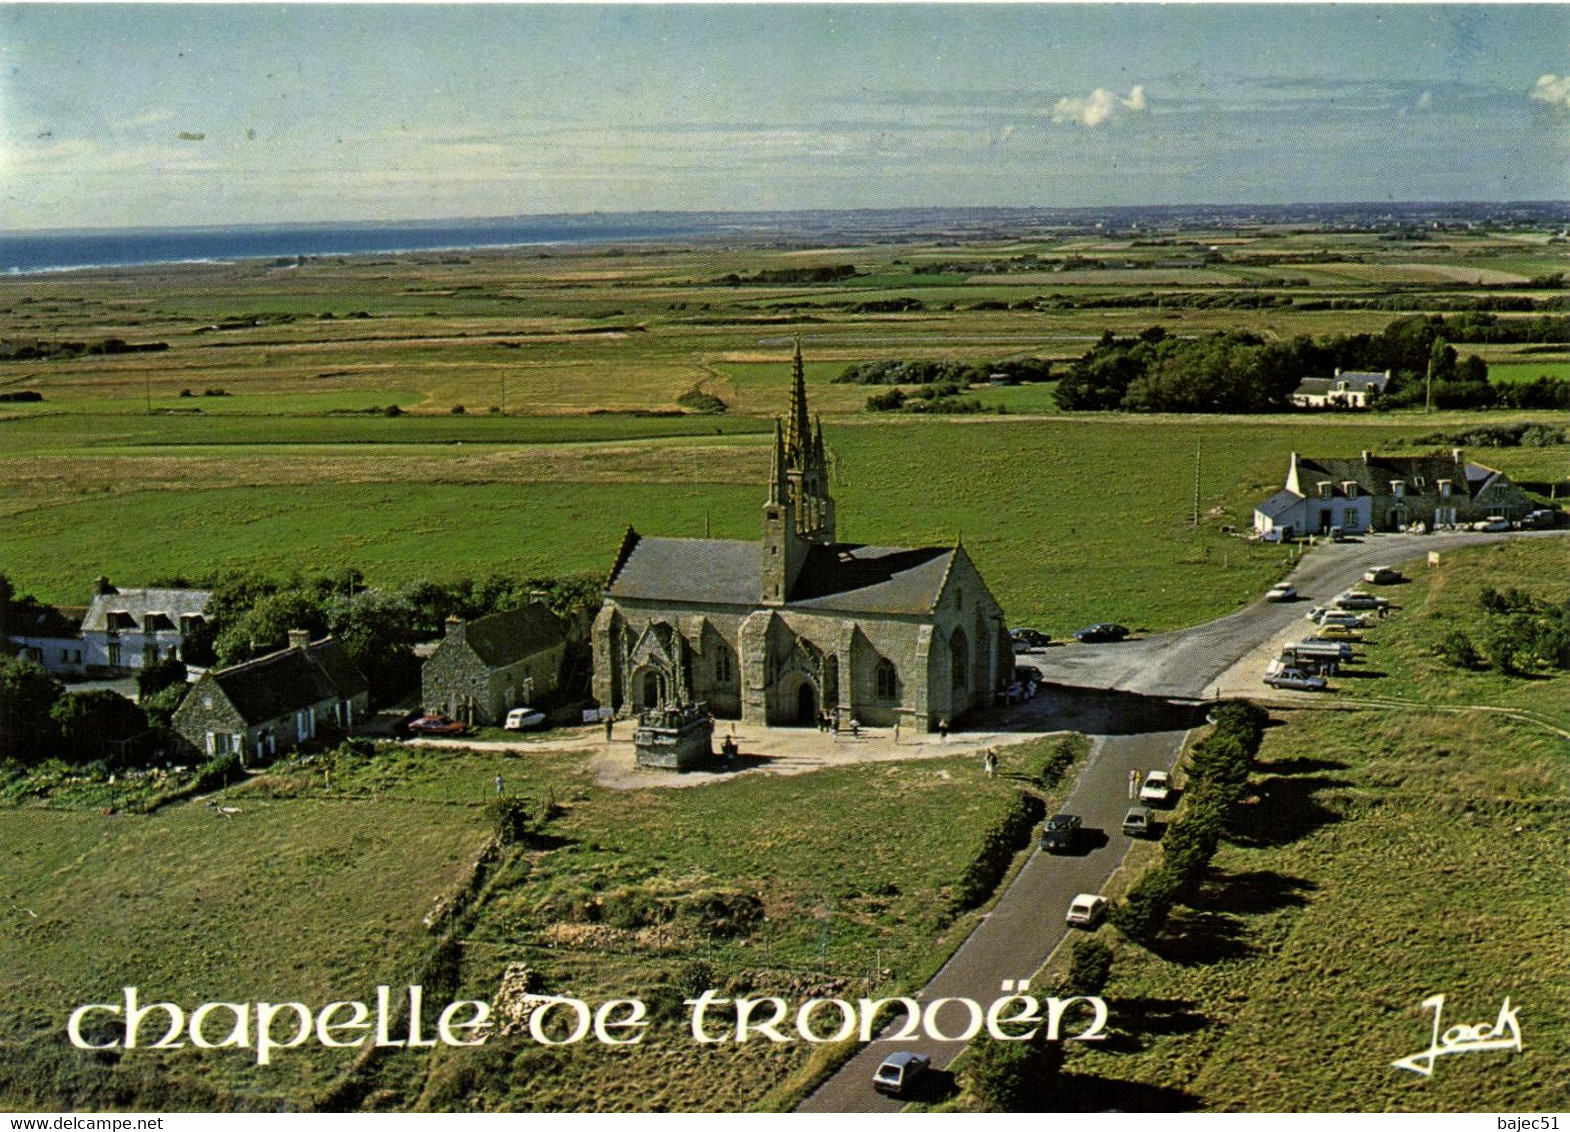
1382	576
1157	789
524	719
1282	592
901	1073
1087	910
1281	676
1061	832
437	725
1026	639
1136	823
1540	519
1101	631
1492	523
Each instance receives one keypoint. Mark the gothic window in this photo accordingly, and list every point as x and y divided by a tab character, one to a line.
888	680
722	674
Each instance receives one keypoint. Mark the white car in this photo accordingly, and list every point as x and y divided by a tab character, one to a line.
1087	910
1157	789
524	719
1282	592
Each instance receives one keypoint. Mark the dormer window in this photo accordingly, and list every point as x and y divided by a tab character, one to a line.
1349	488
1444	489
1398	488
1324	488
1418	482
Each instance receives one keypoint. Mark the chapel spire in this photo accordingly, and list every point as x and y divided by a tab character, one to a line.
798	434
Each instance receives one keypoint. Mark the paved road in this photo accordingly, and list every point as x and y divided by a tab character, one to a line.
1136	699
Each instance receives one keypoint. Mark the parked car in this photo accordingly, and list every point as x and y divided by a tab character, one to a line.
1136	823
1087	910
1334	632
1157	789
1337	534
1382	576
1032	638
1061	832
1345	618
1101	631
1542	518
1279	676
524	719
901	1073
1282	592
1492	523
437	725
1356	599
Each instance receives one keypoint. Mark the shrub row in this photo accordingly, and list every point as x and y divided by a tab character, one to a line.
1219	767
1010	834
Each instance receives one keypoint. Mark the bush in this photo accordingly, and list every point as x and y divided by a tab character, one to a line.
458	410
1013	1076
1143	912
1458	651
700	401
216	773
887	402
158	676
517	819
1002	841
1089	967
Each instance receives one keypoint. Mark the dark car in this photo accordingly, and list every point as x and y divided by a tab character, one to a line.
1061	831
1101	631
901	1073
437	725
1031	638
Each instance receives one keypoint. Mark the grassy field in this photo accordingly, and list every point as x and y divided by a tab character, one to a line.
310	899
775	883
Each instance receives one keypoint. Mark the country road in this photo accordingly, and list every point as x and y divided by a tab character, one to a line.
1136	700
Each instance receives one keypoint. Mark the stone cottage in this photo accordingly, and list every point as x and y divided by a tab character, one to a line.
275	702
774	632
1386	493
484	668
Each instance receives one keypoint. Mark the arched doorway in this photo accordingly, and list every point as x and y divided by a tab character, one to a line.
648	689
806	703
959	670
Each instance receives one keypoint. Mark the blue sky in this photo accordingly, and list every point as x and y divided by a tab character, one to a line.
126	115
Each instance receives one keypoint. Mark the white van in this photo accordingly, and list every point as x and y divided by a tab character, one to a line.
524	719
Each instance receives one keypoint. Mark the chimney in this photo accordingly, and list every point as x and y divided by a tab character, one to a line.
299	638
455	629
1367	456
1338	371
1458	453
101	586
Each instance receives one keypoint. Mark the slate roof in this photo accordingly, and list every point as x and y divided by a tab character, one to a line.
693	570
290	680
1375	476
844	577
141	603
872	579
56	621
1279	504
506	638
1354	383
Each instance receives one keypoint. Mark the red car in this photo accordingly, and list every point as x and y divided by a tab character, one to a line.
437	725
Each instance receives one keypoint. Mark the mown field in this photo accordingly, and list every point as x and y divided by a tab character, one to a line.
1391	854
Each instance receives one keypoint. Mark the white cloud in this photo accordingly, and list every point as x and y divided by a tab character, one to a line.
1553	89
142	121
1099	107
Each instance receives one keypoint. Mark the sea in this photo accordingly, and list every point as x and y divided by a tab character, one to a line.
34	252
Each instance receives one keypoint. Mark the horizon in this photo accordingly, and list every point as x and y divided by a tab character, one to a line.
116	117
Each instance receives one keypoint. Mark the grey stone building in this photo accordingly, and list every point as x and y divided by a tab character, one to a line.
1387	493
275	702
485	667
774	632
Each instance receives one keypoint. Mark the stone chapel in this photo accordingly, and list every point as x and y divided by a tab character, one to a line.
773	632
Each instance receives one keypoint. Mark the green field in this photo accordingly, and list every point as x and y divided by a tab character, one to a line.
314	895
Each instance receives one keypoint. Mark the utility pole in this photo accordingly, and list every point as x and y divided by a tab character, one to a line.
1198	448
